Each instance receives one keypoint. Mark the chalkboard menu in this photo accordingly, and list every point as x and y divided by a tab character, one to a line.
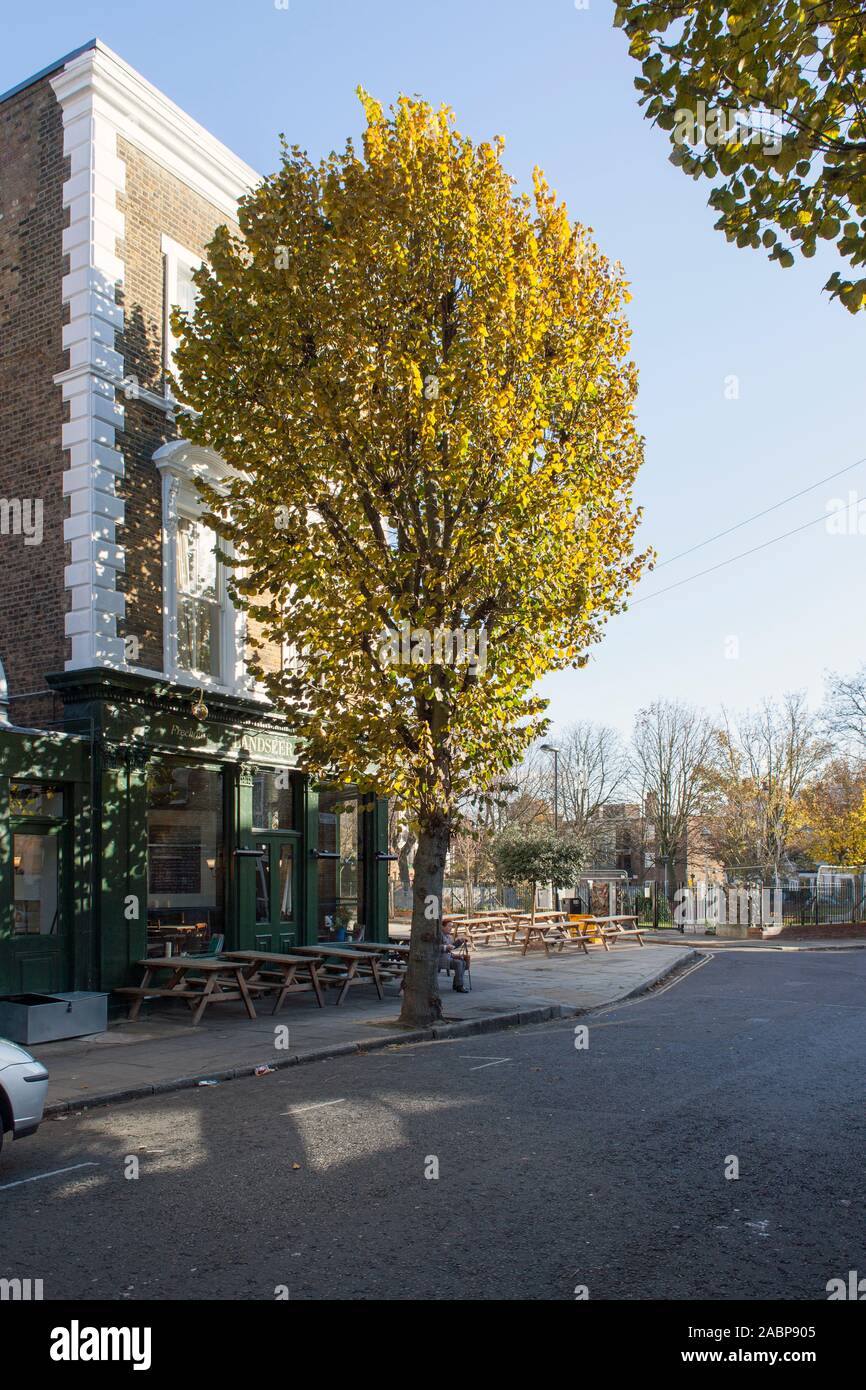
174	859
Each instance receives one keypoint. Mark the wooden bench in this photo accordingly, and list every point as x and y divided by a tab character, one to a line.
547	929
480	931
343	967
611	929
274	972
392	957
533	932
199	982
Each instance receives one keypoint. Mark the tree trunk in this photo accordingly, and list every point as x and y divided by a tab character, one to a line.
421	1002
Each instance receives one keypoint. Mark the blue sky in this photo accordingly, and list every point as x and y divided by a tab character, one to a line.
556	81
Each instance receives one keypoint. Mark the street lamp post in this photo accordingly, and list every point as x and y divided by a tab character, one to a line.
549	748
664	859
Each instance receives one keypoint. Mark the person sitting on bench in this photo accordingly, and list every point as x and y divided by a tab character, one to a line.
449	961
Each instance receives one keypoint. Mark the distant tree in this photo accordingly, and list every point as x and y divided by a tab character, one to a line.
536	855
766	758
401	840
521	796
593	772
845	709
786	180
672	748
469	859
591	769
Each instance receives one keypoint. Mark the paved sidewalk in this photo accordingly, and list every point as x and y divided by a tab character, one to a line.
163	1052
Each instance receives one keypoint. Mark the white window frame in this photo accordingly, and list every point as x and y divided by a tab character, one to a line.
180	464
174	256
188	508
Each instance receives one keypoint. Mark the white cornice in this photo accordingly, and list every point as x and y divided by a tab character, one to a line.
149	120
190	461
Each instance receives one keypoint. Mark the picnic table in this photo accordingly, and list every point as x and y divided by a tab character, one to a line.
537	930
276	972
200	981
392	957
480	930
534	931
588	931
385	948
612	928
346	966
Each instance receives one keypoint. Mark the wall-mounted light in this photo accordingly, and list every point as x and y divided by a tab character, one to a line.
16	861
199	708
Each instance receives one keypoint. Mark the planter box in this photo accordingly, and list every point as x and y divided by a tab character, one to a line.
39	1018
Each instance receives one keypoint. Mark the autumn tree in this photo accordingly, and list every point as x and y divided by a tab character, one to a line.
421	380
831	819
768	98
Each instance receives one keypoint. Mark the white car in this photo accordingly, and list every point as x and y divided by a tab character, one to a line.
23	1088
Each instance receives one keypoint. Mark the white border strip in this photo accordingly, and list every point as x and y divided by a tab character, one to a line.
102	97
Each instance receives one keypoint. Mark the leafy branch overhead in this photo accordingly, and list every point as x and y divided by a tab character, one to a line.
794	172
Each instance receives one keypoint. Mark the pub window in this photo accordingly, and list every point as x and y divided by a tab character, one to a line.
35	799
36	811
200	598
204	633
35	859
180	292
273	801
340	865
185	846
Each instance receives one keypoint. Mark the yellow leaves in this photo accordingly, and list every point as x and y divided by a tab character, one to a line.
442	374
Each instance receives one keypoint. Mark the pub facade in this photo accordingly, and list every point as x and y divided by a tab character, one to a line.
151	798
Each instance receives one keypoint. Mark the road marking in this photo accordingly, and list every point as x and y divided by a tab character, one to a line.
493	1062
302	1110
56	1174
655	990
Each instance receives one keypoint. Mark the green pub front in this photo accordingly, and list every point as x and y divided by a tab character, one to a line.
149	824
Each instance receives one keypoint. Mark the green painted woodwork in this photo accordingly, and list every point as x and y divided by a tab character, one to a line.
130	721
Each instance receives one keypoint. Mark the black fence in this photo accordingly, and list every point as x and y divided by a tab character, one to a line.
790	904
734	907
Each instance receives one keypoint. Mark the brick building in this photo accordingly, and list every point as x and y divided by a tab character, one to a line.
150	797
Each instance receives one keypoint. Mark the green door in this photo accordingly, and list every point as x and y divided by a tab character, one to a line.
41	941
274	924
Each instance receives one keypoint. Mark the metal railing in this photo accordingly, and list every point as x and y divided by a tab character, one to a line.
791	903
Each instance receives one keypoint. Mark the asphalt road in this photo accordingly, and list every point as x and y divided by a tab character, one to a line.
558	1167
